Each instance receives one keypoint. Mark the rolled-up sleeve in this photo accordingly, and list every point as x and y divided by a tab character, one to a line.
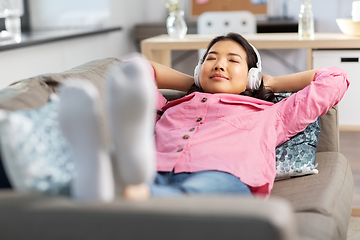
304	107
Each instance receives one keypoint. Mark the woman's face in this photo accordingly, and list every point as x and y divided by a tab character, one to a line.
225	68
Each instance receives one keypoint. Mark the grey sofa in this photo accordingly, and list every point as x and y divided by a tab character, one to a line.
308	207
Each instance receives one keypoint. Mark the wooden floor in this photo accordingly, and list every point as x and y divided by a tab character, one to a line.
350	147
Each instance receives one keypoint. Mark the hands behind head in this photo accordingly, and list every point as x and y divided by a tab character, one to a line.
269	82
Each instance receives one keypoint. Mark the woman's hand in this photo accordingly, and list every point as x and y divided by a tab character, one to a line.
168	78
269	82
289	83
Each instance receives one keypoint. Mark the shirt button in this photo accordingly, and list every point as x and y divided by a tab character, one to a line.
186	136
204	99
180	149
192	129
199	119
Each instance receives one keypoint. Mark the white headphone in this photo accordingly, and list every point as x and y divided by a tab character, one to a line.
254	75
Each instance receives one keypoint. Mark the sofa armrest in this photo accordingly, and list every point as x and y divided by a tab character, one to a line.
42	217
322	202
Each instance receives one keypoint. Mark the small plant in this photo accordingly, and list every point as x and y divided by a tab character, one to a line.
173	6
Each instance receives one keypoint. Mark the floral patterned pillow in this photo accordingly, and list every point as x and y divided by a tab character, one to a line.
296	157
34	152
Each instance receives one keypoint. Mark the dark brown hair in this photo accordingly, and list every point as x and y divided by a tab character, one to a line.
251	59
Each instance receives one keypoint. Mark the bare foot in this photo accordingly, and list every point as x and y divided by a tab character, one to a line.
138	192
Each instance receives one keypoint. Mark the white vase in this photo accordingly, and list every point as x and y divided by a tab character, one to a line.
175	24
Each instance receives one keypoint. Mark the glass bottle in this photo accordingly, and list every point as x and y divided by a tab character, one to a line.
306	20
12	10
175	24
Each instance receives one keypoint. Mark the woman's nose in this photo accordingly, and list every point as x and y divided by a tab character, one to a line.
219	66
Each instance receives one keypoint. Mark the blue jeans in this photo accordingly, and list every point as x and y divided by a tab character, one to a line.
204	182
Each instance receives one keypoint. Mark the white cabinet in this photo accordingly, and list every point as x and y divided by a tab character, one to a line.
349	60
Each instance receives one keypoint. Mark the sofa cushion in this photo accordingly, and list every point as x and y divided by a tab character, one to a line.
296	157
95	72
29	93
35	153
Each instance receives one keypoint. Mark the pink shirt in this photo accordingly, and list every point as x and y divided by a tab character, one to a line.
238	134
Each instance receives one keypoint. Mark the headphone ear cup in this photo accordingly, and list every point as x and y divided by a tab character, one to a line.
254	79
197	75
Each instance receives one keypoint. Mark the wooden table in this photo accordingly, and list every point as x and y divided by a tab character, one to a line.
159	48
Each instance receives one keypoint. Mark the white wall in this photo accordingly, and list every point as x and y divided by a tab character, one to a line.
55	14
59	14
157	12
127	14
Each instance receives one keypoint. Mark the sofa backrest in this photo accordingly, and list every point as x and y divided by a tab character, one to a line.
35	92
329	136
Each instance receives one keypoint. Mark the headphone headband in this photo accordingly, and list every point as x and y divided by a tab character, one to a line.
258	63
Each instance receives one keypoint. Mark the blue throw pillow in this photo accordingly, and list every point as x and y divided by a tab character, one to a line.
35	154
296	157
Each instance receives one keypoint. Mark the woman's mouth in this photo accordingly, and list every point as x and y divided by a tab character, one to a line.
218	77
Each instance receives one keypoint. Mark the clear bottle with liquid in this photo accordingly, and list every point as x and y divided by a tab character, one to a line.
306	20
12	10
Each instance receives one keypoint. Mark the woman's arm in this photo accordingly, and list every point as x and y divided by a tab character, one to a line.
167	78
289	83
304	107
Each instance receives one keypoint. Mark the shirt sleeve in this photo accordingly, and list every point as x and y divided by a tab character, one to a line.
304	107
